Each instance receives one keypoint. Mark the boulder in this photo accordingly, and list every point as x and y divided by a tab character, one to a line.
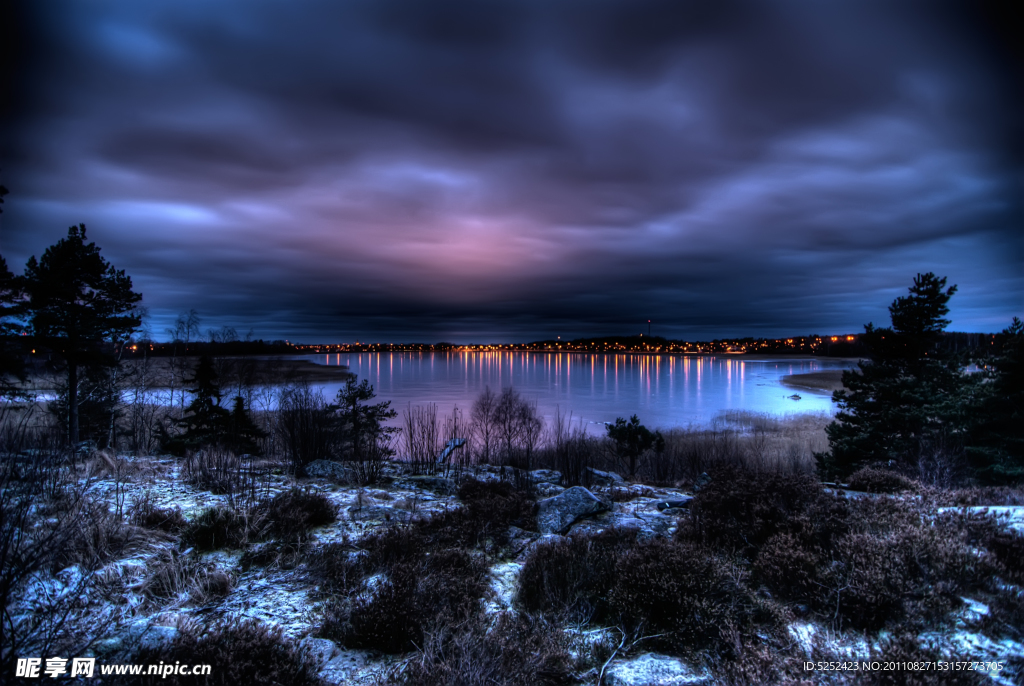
647	525
556	514
681	502
427	482
546	490
150	636
318	650
379	513
652	668
599	478
332	471
550	476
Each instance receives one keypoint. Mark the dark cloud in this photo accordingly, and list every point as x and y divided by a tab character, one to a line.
472	171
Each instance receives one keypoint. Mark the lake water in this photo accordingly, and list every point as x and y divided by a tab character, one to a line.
663	390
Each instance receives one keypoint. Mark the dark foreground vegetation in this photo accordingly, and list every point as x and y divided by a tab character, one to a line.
280	540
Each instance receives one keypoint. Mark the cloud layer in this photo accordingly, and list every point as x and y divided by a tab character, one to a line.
515	170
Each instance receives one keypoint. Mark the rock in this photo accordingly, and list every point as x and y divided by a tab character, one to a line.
348	667
106	646
680	503
650	669
435	484
320	651
673	511
648	525
546	539
555	515
550	476
332	471
379	513
151	636
546	490
600	478
702	481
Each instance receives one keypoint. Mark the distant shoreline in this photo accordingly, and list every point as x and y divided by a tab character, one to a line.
264	371
671	353
827	381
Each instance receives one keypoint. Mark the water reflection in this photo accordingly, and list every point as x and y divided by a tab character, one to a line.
664	390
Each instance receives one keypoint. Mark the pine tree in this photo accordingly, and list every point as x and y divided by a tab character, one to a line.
205	422
632	440
80	308
997	447
364	439
908	402
242	433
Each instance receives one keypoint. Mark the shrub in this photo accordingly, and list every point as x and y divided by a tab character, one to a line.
336	568
489	509
988	495
788	566
517	650
293	513
871	480
175	576
415	597
572	576
241	652
145	514
97	535
741	509
218	527
1008	549
308	427
689	595
913	572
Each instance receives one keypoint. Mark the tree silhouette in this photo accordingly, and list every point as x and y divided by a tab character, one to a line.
11	362
997	449
632	440
907	403
363	437
242	432
205	421
79	307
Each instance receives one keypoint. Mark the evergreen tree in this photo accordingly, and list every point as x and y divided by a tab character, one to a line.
632	440
242	433
364	439
99	405
80	308
908	402
997	448
205	421
12	366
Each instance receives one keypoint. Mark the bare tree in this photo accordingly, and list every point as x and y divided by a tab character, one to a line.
422	436
518	428
455	429
184	331
485	430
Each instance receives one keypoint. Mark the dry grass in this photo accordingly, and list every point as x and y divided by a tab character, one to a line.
183	578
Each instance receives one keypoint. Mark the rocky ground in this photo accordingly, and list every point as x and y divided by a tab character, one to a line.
119	595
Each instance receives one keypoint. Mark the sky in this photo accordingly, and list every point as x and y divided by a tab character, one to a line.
515	170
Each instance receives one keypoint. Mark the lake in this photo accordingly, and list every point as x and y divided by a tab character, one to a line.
663	390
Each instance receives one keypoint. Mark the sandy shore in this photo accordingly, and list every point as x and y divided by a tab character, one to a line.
828	381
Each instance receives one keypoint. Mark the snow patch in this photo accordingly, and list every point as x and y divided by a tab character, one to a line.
652	669
504	578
